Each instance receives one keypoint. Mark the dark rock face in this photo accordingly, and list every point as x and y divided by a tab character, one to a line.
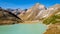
7	17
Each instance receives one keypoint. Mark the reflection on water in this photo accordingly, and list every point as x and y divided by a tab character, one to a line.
23	29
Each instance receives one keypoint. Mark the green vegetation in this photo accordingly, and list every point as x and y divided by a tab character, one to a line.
53	19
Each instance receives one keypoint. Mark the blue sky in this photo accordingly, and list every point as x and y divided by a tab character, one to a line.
26	3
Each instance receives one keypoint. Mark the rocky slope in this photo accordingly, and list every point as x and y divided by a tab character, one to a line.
55	14
7	17
32	12
53	29
54	21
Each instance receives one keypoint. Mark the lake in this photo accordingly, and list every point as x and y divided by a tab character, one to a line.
23	29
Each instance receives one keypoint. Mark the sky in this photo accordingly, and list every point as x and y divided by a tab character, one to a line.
25	4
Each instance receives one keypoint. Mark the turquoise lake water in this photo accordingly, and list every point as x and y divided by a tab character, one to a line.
23	29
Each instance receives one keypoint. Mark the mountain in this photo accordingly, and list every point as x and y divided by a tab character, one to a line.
32	12
49	12
18	11
55	6
41	13
38	12
7	17
52	15
53	21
